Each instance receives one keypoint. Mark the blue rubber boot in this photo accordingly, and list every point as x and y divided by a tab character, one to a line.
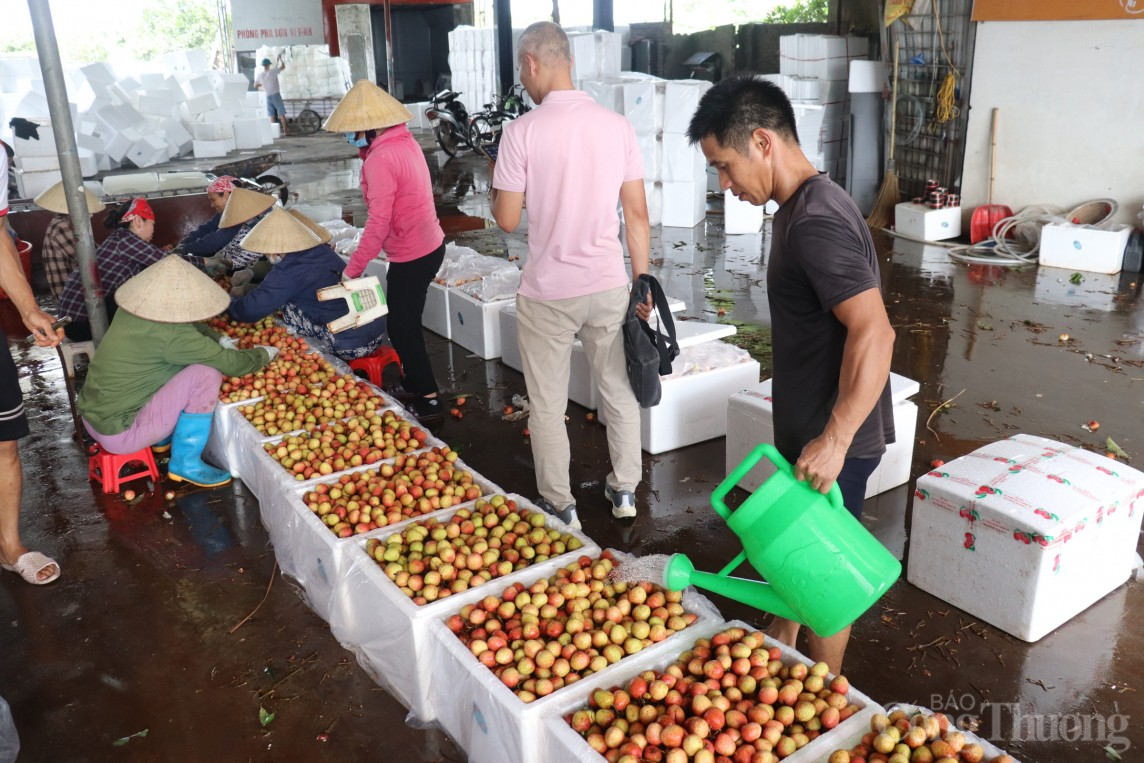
163	445
186	465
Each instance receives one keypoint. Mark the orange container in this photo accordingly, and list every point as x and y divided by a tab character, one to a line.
24	249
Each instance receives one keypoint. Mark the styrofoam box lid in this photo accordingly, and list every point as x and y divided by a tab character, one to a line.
564	744
759	396
1032	485
691	333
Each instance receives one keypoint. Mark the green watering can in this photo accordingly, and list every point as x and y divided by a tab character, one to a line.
823	569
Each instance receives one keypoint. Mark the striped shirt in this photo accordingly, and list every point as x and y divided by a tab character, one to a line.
121	256
59	253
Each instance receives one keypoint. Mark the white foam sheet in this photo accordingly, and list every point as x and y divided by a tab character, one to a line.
487	719
559	743
389	633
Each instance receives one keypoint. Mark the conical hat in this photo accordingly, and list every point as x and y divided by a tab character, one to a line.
244	205
55	199
366	107
323	234
280	233
172	291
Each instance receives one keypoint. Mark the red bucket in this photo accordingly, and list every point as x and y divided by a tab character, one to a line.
24	249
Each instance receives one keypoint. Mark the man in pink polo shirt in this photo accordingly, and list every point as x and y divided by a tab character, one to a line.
570	159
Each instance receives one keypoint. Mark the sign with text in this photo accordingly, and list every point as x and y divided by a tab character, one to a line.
276	22
1056	10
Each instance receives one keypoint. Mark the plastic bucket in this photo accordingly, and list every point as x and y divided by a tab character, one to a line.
24	249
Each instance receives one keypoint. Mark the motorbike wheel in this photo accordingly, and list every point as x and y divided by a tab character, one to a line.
309	121
445	138
483	133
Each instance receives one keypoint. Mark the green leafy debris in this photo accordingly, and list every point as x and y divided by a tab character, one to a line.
124	740
265	717
1111	446
1076	279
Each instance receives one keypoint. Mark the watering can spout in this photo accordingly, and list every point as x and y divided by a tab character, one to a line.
681	573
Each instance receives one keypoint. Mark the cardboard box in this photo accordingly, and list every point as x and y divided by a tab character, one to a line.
435	317
559	743
750	417
1081	247
1025	533
920	222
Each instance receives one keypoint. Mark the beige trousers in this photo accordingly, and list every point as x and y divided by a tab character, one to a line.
546	330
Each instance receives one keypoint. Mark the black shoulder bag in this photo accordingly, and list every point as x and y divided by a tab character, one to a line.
649	351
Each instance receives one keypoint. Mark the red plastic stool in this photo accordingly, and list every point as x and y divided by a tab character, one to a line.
105	467
374	365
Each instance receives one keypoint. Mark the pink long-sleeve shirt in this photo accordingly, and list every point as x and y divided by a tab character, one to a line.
398	195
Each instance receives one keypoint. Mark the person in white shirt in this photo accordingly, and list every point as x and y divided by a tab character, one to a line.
267	81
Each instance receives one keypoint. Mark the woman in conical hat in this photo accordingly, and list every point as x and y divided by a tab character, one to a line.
402	223
209	239
303	263
244	209
123	254
58	251
157	374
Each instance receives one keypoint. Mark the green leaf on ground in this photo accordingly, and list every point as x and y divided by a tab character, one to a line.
265	717
1111	753
124	740
1111	445
1076	279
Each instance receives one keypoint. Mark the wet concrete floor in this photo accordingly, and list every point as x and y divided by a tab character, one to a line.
146	630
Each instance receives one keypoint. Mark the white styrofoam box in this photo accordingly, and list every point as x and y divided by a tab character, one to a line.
510	348
200	103
1025	533
210	131
44	146
680	100
246	134
90	142
118	145
177	135
820	56
159	103
178	181
609	53
98	73
276	130
808	119
684	203
643	105
584	62
37	163
1083	247
204	149
683	161
230	88
653	193
265	132
256	99
920	222
390	633
131	184
651	148
750	422
609	93
561	744
436	316
486	719
31	184
147	151
475	325
741	216
88	163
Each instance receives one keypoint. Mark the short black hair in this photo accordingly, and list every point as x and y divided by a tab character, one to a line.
734	108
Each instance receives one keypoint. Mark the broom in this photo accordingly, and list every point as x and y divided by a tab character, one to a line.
883	212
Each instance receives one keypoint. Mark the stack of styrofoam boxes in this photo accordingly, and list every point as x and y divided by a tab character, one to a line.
750	416
814	70
643	106
473	65
1026	533
684	169
311	72
476	310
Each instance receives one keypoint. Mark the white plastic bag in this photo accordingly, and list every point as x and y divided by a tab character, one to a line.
706	357
498	285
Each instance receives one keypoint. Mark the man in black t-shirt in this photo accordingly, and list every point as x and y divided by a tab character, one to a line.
832	339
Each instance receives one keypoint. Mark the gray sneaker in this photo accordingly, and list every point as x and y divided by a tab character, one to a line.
623	502
567	515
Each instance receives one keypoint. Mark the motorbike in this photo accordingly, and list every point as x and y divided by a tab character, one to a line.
450	121
485	126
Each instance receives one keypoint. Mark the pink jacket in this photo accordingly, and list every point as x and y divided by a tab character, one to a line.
398	194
